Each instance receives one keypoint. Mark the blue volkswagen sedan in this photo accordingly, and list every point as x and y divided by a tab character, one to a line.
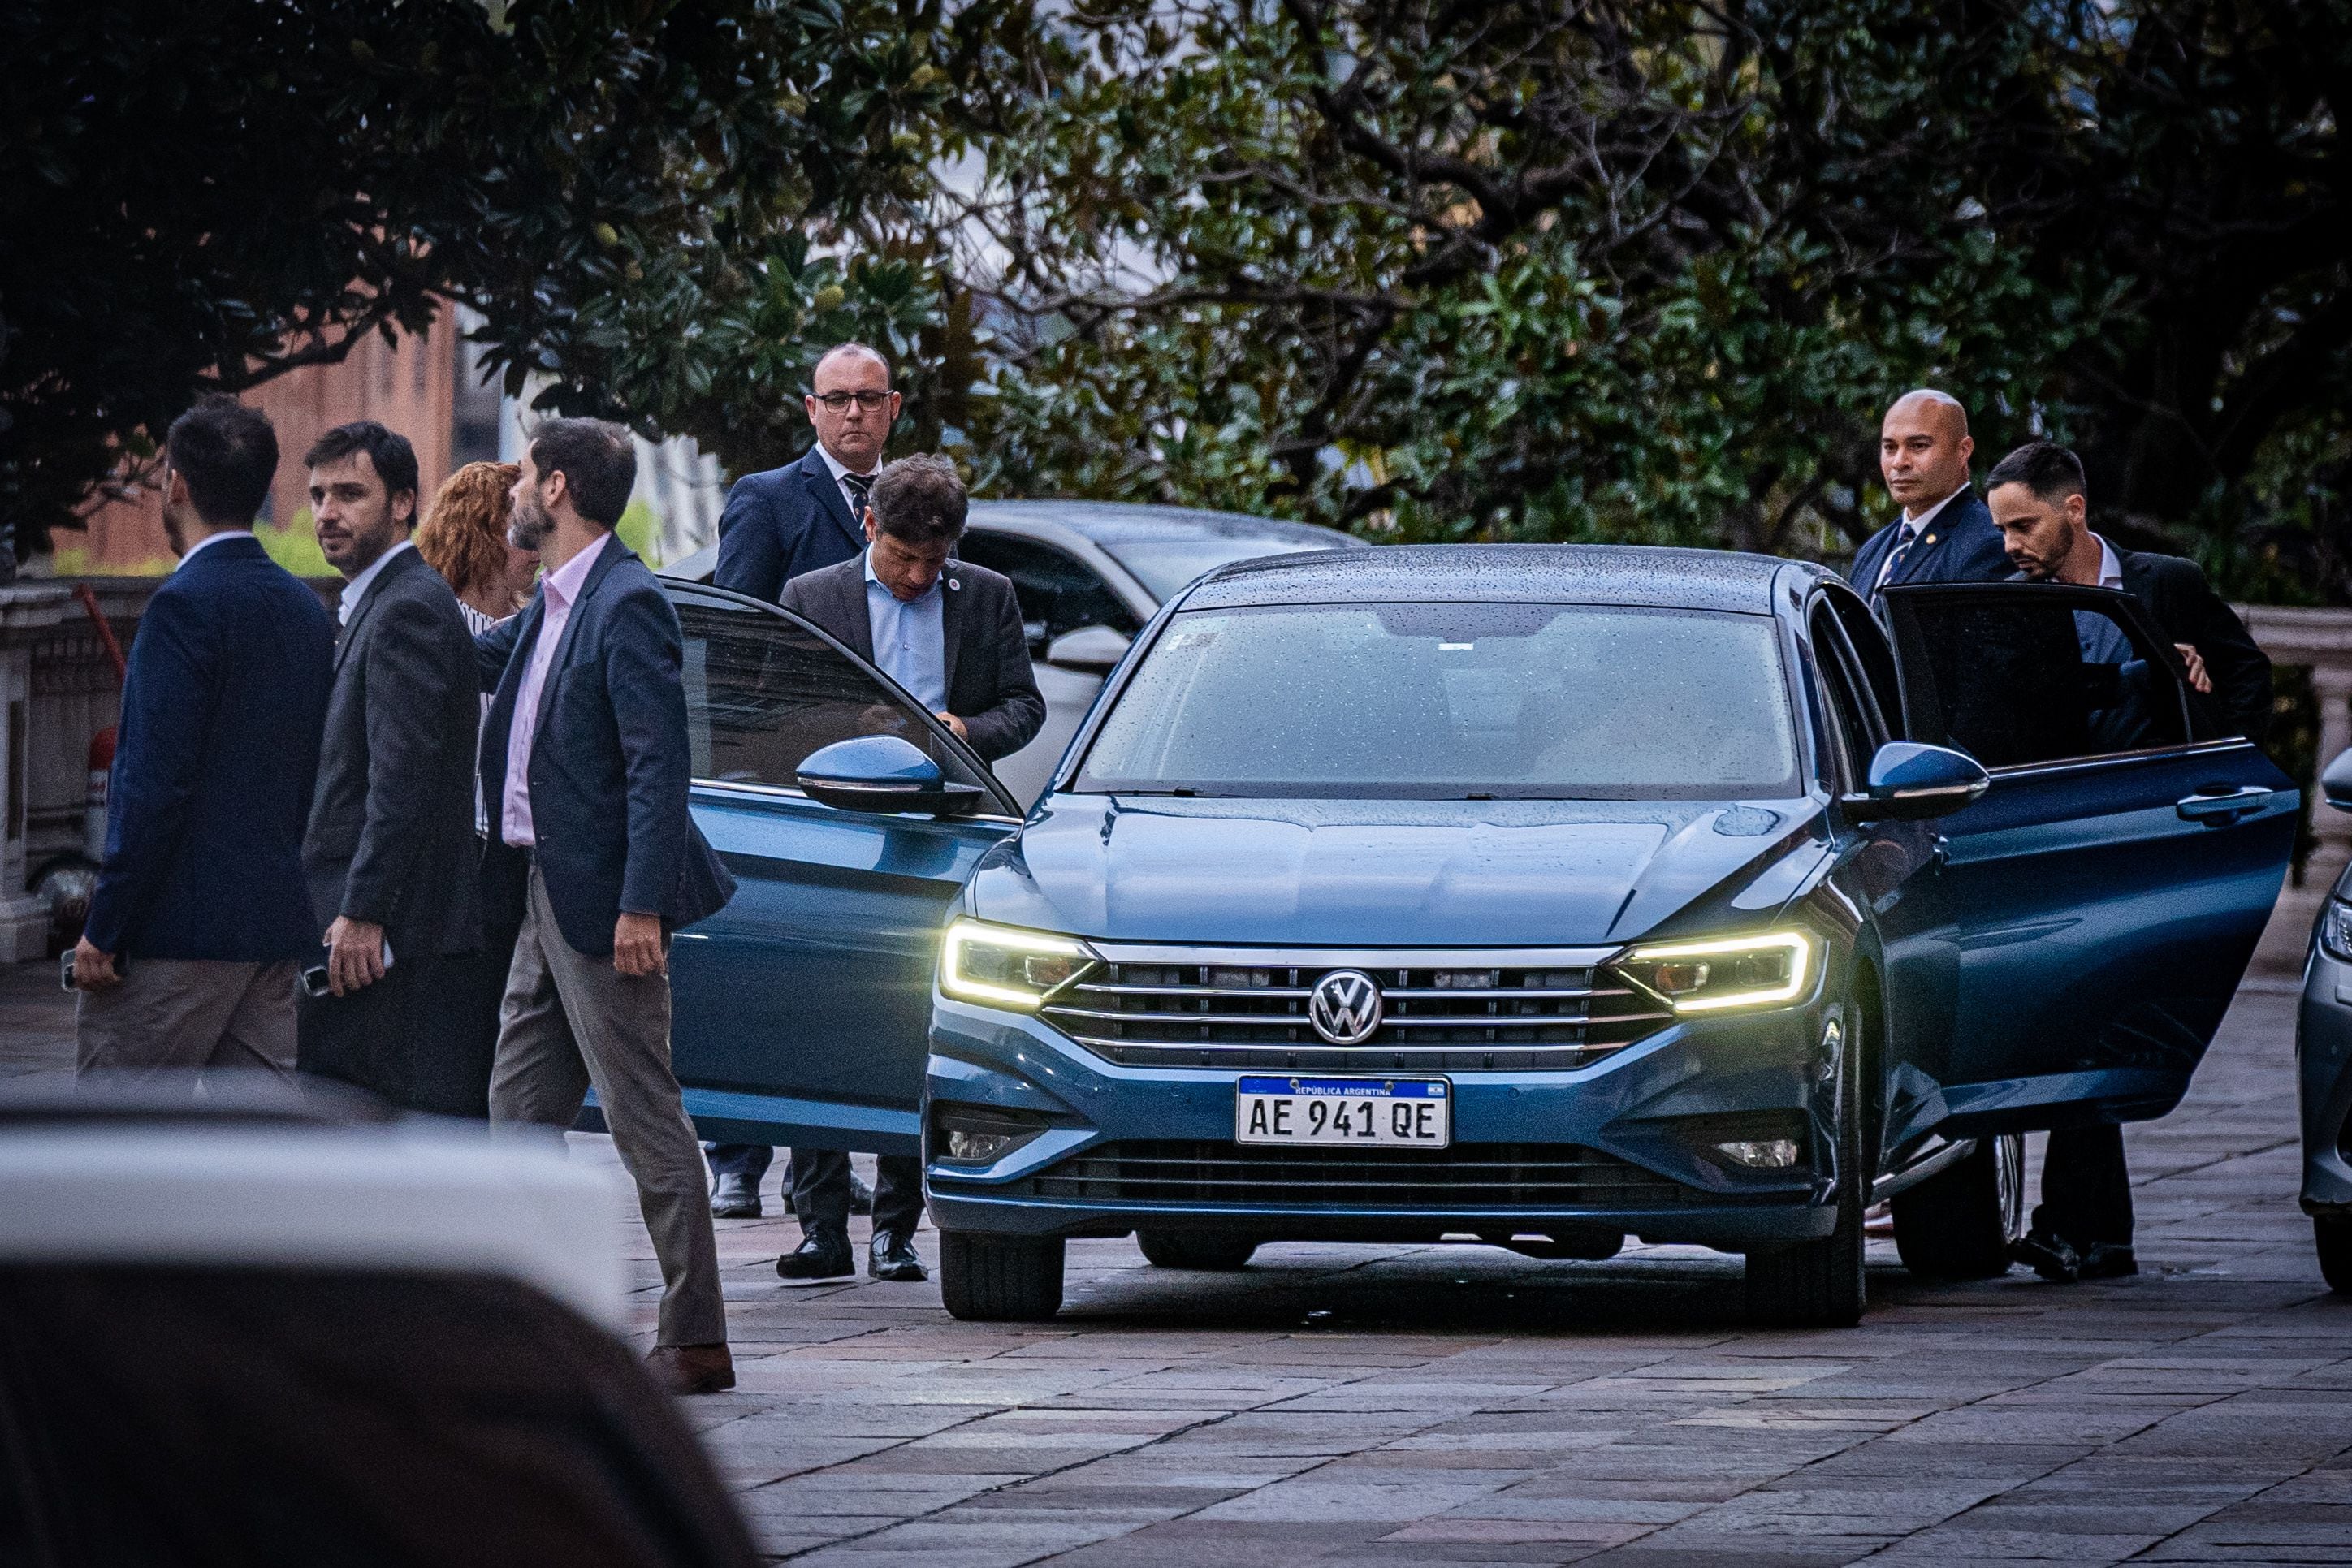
1538	896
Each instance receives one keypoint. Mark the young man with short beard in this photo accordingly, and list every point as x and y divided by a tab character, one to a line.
391	850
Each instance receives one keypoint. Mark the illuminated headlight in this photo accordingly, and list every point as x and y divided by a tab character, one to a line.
1005	967
1760	971
2336	929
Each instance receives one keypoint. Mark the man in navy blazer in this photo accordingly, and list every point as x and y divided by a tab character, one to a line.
1945	534
585	771
202	915
787	522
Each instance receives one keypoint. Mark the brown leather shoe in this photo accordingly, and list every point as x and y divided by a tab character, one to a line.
691	1368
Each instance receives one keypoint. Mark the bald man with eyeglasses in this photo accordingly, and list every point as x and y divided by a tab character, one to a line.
782	523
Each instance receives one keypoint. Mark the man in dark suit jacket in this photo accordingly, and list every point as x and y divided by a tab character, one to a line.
784	522
2082	1228
949	632
202	917
1945	534
392	853
585	771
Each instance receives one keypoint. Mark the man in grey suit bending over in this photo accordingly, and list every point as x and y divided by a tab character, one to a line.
949	632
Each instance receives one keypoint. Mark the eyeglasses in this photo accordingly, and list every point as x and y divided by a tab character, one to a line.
839	401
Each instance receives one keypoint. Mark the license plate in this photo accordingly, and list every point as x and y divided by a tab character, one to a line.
1415	1113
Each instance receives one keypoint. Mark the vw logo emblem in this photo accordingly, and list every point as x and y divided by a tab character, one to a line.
1345	1007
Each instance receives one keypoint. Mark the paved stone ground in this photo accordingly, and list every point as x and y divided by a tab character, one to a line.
1353	1407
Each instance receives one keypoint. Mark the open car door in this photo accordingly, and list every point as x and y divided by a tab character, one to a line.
2107	891
802	1009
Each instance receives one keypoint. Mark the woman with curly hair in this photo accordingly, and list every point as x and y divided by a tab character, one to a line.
465	540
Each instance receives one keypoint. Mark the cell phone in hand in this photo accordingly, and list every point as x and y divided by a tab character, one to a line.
315	982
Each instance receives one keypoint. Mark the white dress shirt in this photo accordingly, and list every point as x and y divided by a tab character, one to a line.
210	539
356	588
836	467
1913	527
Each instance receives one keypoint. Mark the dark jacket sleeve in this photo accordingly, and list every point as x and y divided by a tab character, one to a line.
408	674
752	541
1017	710
494	648
2239	670
643	660
168	700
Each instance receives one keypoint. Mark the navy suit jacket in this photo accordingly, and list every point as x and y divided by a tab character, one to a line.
610	767
1960	545
783	523
214	756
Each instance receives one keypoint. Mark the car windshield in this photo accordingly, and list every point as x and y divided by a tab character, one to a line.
1454	702
1165	564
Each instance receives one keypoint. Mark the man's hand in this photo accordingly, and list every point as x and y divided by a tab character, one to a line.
93	970
354	955
956	724
2196	662
637	946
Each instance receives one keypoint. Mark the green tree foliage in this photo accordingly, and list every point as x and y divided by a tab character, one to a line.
627	190
1624	270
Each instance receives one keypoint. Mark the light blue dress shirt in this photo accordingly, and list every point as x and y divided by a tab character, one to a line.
911	644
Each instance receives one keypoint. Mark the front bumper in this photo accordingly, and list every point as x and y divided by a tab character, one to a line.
2323	1049
1641	1125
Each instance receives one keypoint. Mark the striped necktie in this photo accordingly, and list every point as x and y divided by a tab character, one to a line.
1902	540
858	485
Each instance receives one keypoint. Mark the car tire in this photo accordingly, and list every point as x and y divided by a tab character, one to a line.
1000	1278
1959	1223
1195	1249
1819	1284
2334	1239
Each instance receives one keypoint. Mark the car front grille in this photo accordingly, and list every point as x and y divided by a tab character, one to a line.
1443	1013
1549	1177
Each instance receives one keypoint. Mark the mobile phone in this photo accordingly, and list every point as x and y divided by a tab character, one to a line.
65	970
315	982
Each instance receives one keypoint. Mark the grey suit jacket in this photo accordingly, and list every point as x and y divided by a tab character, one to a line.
990	683
391	837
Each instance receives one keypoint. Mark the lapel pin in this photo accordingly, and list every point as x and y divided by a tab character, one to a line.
1929	540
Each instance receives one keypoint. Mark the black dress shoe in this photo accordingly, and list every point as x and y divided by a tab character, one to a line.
2109	1261
817	1258
734	1197
2048	1256
893	1257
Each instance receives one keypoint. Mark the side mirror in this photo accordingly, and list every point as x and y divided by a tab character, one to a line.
1909	782
881	773
2335	783
1089	650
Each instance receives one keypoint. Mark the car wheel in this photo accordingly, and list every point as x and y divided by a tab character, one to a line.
1194	1250
1000	1278
1959	1222
1820	1284
2333	1239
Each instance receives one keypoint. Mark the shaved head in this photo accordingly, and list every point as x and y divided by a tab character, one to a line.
1927	403
848	352
1923	448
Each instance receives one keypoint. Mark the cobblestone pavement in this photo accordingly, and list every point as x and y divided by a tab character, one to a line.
1355	1405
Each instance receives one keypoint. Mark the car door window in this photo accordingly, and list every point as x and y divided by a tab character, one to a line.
1058	591
2048	675
765	690
1865	640
1854	720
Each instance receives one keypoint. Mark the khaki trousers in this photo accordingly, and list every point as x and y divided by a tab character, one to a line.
569	1021
182	1015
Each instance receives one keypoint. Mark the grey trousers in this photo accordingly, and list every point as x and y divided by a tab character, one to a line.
182	1015
569	1021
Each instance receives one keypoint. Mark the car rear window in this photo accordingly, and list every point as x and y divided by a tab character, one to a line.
1166	564
1452	702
